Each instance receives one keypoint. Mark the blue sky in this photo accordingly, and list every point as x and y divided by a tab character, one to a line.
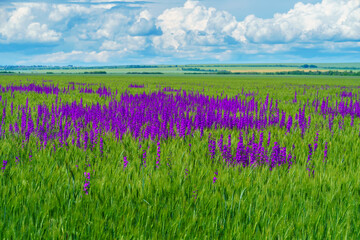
104	32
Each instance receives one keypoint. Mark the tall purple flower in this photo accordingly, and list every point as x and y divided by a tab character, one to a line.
101	147
289	160
4	165
325	152
125	162
275	155
316	141
87	182
269	139
212	147
144	157
158	155
215	178
221	143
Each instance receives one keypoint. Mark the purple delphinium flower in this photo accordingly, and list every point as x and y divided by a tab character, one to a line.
87	182
144	158
220	143
325	152
125	162
240	151
316	141
86	140
289	160
309	165
269	139
158	155
16	127
101	146
341	123
195	194
4	165
212	147
186	172
274	156
215	178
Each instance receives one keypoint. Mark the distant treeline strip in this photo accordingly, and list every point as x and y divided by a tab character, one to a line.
93	72
144	73
297	72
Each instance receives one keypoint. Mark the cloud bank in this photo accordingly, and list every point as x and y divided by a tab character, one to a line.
112	33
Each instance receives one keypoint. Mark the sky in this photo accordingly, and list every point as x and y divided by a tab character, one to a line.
105	32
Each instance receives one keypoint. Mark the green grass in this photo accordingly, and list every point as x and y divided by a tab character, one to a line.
44	198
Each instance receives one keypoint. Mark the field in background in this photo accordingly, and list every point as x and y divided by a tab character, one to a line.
192	194
191	68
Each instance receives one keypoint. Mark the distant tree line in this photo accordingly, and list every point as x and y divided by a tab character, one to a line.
297	72
198	69
308	66
144	73
96	72
141	66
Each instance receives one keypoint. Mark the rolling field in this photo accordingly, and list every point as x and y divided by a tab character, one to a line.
179	157
192	68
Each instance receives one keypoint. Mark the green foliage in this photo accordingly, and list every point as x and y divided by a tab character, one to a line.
42	197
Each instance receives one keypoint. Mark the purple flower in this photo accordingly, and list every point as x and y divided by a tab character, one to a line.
87	182
158	155
4	165
212	147
101	146
325	152
309	165
215	178
316	141
125	162
144	157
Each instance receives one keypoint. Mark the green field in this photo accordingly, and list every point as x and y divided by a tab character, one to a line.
42	196
181	69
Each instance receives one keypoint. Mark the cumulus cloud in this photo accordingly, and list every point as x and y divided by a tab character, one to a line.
20	24
144	25
101	31
187	28
330	20
194	24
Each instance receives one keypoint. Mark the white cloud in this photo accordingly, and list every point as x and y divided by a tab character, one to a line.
144	25
194	24
112	24
336	20
106	30
20	24
185	29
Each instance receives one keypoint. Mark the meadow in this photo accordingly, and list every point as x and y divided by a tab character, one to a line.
179	157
